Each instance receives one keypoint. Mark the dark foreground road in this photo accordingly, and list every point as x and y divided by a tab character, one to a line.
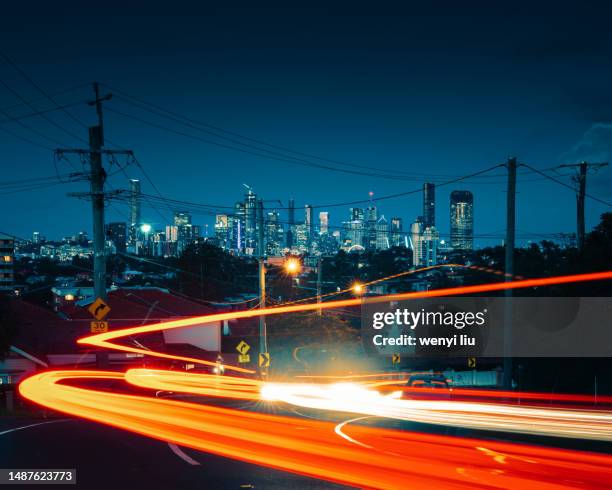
107	458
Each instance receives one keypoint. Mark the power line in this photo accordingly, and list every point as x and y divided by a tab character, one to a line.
35	85
567	185
259	152
9	118
46	97
42	114
25	138
198	125
172	115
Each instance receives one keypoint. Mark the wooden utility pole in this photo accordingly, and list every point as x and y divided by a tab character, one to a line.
509	270
580	179
263	334
97	178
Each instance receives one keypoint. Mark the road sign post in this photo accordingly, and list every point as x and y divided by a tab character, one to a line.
264	360
99	309
98	327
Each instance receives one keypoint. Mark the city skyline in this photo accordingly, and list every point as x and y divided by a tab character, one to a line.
338	104
341	217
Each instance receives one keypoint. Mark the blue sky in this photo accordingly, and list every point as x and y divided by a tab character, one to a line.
435	90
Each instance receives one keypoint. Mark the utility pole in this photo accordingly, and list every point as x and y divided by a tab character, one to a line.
509	270
97	178
263	334
319	279
580	180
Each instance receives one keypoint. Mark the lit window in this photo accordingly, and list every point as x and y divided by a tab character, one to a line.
7	258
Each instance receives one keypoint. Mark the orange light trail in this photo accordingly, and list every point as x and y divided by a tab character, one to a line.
382	458
386	459
103	340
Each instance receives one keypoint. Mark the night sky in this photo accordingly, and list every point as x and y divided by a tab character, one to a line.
421	91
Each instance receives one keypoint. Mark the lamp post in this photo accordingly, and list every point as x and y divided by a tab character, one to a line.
291	266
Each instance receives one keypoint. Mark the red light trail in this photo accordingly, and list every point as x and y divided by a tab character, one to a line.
365	456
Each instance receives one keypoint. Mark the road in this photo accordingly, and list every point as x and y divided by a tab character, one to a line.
343	437
111	458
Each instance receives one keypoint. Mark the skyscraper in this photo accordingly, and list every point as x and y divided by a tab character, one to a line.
382	234
424	244
371	218
290	223
395	236
250	221
274	234
429	204
237	240
222	230
116	233
186	232
462	220
309	222
323	221
134	225
356	214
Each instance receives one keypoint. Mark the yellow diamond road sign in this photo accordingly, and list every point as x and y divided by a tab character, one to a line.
99	327
395	358
244	358
471	362
264	359
243	347
99	309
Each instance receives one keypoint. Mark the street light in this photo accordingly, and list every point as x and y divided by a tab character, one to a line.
292	266
145	228
358	288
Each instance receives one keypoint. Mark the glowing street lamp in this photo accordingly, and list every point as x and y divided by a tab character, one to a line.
358	289
145	228
292	266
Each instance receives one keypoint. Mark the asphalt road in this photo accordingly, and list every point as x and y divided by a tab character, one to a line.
105	457
108	458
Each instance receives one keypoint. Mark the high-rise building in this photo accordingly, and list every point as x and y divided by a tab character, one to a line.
135	219
222	230
462	220
290	223
371	219
429	204
395	235
250	222
182	218
37	238
301	238
182	232
238	236
7	259
273	234
416	231
116	234
309	222
382	233
429	246
354	234
424	244
356	214
323	222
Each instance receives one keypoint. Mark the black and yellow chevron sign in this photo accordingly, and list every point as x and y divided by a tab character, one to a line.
264	359
395	359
